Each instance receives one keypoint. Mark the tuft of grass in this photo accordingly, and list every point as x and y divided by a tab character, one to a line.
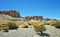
57	25
6	29
12	25
25	26
40	28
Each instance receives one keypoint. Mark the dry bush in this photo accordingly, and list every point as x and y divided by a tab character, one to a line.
57	24
40	28
12	25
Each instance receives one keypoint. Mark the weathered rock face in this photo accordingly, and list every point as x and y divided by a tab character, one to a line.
12	13
34	17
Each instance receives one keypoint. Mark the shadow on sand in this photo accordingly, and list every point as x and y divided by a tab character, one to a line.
44	34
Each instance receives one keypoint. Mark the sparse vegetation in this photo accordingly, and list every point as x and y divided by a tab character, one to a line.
12	25
40	28
6	29
57	25
8	25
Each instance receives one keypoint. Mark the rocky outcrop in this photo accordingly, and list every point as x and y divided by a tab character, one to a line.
12	13
34	17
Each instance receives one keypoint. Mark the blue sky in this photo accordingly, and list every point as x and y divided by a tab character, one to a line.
45	8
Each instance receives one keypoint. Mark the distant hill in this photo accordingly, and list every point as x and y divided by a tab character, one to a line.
5	17
15	15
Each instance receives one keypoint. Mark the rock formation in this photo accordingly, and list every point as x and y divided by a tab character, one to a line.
34	17
12	13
